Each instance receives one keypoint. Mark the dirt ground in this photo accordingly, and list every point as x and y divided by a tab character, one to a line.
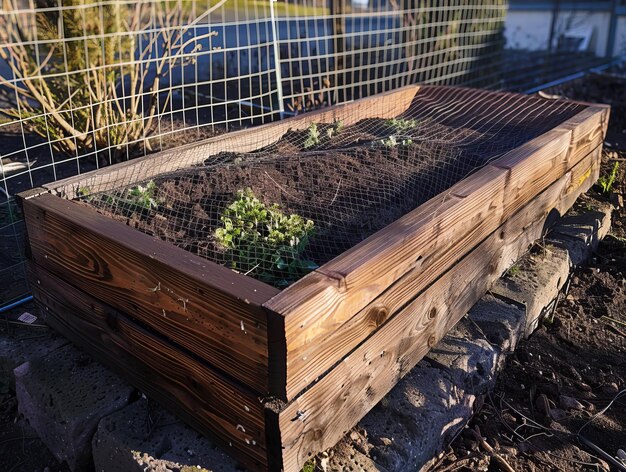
560	402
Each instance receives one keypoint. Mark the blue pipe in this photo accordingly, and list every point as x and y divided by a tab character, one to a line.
16	303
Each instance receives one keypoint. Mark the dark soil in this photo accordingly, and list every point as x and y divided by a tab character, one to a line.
548	409
351	183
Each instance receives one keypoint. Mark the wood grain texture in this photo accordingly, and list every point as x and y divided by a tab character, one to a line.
588	130
206	308
386	105
430	239
328	409
231	414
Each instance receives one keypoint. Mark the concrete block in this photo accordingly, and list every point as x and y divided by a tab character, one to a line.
144	437
19	344
502	322
581	232
426	409
467	357
540	277
63	396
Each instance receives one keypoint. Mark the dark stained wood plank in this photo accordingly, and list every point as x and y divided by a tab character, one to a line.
328	409
206	308
386	105
232	414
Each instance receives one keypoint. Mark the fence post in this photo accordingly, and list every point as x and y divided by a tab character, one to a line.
337	11
610	47
279	78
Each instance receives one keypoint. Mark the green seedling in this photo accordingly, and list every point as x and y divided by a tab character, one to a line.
263	241
513	270
401	125
143	196
334	129
85	193
309	466
313	137
607	181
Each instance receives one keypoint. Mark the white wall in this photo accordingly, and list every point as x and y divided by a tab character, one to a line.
599	21
528	29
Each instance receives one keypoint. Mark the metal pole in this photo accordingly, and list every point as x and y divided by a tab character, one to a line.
279	78
555	15
610	47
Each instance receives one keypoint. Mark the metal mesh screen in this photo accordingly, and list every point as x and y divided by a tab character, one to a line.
88	83
281	211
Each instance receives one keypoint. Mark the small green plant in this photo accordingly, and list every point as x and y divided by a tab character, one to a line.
313	137
401	125
309	466
334	129
143	196
263	241
607	181
513	270
392	142
85	193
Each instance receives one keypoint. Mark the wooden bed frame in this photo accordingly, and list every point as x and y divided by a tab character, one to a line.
276	376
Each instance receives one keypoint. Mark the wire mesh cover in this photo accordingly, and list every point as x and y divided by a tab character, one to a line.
283	210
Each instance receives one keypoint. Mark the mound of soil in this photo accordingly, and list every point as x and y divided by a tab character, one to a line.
351	182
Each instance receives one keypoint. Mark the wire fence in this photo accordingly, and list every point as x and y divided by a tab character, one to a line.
89	83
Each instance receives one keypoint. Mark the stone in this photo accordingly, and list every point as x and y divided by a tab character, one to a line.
580	233
502	322
144	437
63	396
21	343
537	284
426	409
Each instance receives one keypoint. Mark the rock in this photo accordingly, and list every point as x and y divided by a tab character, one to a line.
570	403
22	343
63	396
543	404
610	388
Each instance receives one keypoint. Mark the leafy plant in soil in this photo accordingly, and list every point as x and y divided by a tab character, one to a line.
313	137
334	129
143	196
607	181
263	241
401	125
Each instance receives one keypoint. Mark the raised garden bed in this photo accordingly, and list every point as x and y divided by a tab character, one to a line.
408	234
